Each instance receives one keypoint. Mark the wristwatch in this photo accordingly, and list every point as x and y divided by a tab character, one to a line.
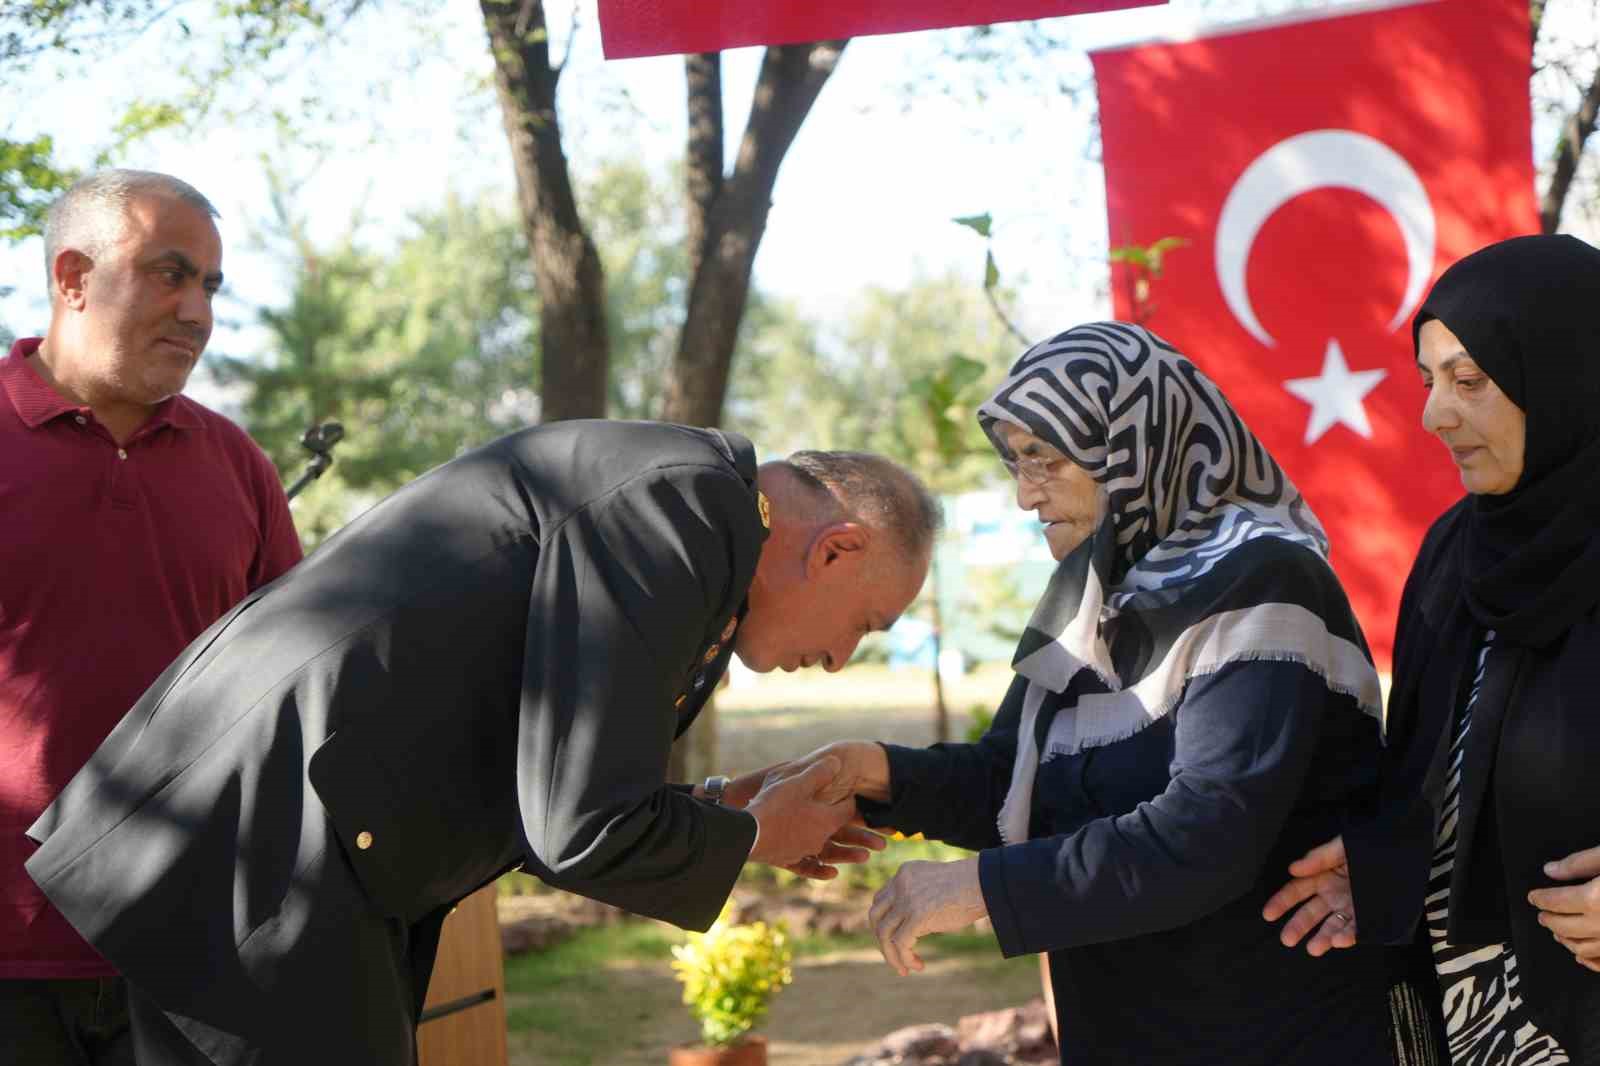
714	787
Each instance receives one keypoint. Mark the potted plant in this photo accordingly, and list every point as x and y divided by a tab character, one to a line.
730	973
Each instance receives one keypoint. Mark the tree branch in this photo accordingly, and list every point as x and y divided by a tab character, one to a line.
1568	152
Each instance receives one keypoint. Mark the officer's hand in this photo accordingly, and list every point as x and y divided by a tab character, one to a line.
852	844
795	823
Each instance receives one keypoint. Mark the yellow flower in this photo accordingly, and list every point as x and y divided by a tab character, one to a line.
729	975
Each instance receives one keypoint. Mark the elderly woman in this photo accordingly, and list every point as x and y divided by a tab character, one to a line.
1194	705
1491	814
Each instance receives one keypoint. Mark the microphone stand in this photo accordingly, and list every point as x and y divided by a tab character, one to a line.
319	441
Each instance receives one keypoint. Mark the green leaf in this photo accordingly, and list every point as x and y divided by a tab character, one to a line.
991	272
962	371
979	224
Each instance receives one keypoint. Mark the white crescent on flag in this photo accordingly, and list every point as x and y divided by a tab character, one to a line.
1322	159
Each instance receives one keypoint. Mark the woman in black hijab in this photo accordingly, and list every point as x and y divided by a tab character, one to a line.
1485	854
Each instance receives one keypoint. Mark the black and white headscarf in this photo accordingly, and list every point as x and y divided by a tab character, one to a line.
1144	601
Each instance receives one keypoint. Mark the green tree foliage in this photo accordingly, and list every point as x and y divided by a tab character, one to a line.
637	223
868	383
247	43
430	348
29	180
422	354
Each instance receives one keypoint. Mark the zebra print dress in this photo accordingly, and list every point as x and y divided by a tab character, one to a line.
1486	1022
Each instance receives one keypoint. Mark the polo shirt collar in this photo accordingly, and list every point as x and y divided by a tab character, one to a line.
37	403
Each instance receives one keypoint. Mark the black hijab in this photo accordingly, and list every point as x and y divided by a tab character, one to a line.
1527	310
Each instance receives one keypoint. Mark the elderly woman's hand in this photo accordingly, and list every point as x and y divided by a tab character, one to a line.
923	898
1572	913
863	770
1321	899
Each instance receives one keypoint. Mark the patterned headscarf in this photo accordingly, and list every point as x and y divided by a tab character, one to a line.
1147	601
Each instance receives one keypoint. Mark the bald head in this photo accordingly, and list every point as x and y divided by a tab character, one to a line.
852	536
866	488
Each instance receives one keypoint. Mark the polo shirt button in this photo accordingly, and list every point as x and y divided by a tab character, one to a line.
363	840
81	420
122	453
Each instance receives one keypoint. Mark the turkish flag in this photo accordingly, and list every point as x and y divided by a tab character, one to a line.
1323	172
657	27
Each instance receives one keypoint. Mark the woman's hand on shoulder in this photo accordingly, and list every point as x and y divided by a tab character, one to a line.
1319	899
1572	912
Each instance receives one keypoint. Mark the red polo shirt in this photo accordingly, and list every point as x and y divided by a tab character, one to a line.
112	559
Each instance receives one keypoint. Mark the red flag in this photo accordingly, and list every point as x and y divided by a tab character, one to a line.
1323	172
657	27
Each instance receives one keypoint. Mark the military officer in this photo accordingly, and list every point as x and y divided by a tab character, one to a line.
485	671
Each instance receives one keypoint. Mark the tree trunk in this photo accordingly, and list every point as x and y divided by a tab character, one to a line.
726	218
730	217
1575	133
574	349
703	166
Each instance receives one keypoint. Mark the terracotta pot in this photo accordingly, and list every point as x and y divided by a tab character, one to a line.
751	1051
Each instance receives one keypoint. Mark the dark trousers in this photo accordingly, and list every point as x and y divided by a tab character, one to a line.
81	1022
343	988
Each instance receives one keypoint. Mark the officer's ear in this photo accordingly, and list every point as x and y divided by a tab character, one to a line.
840	543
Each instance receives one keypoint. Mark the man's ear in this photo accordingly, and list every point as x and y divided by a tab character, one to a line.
69	278
839	542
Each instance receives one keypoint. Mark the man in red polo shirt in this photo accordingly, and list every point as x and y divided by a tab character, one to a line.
131	518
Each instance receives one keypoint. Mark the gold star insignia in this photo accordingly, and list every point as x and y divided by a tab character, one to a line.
711	652
680	701
727	630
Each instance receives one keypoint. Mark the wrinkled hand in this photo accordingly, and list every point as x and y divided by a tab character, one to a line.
923	898
863	770
795	822
1572	912
1321	891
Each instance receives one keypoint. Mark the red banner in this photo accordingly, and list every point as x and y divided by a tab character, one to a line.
1322	173
658	27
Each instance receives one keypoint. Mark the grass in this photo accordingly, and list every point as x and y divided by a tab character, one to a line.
607	997
567	994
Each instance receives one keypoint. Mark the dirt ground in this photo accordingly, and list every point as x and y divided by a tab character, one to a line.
778	716
838	1006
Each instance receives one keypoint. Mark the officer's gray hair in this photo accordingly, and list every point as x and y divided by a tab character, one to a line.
90	215
879	492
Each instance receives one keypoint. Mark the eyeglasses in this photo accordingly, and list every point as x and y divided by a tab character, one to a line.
1036	469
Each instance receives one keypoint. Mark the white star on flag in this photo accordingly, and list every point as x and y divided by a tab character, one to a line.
1336	395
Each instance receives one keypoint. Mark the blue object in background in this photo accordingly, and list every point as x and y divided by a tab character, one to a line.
911	643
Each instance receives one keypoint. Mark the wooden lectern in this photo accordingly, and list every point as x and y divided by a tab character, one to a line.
464	1017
